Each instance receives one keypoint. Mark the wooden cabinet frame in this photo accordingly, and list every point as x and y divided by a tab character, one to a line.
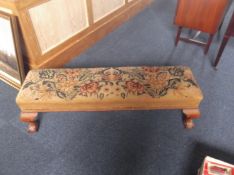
64	52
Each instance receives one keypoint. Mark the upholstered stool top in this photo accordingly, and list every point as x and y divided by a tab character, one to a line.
91	89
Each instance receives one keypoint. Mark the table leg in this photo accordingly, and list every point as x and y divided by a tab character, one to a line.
178	35
221	49
208	44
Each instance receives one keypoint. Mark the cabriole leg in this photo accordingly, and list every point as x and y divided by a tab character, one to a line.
189	115
31	119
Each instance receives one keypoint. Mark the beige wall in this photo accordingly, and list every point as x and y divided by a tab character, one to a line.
57	20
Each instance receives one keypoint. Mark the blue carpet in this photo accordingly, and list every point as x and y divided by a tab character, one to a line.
129	142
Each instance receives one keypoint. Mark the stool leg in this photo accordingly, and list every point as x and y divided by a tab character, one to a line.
224	43
31	119
189	115
178	35
208	44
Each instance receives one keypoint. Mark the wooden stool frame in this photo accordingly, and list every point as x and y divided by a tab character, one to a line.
32	119
109	89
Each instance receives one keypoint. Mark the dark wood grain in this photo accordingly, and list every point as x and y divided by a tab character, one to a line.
203	15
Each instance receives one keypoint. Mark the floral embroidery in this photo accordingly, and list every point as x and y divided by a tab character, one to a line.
151	69
89	88
111	76
176	71
47	74
105	82
134	87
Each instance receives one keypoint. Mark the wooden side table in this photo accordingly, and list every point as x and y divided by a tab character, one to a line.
201	15
229	33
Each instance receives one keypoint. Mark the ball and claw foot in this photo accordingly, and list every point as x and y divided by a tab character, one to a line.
32	127
32	121
188	123
189	115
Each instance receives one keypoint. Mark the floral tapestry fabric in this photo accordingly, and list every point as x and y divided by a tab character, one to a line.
101	83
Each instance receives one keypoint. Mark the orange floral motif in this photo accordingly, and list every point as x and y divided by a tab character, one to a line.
151	69
89	88
163	76
134	87
71	74
160	80
61	78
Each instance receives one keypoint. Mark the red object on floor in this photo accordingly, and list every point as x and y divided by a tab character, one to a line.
213	166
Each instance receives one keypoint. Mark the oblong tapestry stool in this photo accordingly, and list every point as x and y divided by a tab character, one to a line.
109	89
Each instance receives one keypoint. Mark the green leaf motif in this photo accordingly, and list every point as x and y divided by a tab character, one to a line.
28	84
176	71
163	92
101	96
77	88
61	94
123	95
173	82
72	95
86	75
191	82
151	92
50	85
47	74
82	77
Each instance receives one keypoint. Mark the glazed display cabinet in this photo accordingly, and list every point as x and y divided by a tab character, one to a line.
52	32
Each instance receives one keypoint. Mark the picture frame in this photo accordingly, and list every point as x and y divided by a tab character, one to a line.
11	61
